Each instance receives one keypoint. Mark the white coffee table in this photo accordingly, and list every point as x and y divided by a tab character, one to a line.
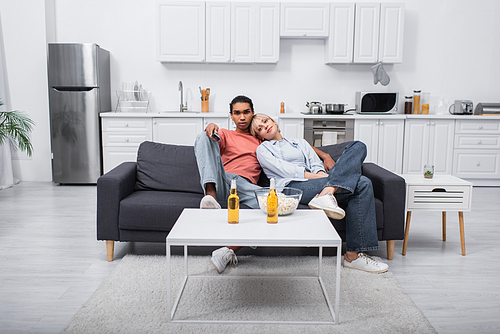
441	193
303	228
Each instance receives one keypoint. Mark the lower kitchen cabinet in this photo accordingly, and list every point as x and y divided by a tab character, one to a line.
291	127
121	137
384	141
179	131
476	153
428	142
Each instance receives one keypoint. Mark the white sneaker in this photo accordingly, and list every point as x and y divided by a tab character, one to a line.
221	257
208	202
366	263
327	203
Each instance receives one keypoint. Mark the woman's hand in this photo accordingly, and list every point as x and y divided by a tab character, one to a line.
310	176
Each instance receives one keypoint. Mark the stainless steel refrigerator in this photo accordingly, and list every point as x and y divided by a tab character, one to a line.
79	89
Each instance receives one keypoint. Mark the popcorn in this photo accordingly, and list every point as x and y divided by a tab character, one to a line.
286	205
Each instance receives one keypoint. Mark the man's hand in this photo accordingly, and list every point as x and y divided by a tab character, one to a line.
327	159
210	129
328	162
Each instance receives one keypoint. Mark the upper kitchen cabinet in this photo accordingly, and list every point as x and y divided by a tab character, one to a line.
392	19
254	32
218	38
365	33
304	19
339	45
267	37
180	35
226	32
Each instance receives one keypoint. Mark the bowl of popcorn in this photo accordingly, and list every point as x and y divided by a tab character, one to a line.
288	199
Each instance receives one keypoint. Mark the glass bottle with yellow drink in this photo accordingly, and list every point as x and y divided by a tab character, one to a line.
233	205
272	203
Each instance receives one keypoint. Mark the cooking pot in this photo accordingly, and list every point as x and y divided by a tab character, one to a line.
314	107
334	108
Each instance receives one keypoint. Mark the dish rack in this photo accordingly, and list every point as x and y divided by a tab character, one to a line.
133	101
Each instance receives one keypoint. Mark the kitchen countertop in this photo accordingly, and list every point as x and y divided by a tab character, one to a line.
300	116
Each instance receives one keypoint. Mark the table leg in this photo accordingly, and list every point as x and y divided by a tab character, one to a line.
407	230
462	232
444	225
169	303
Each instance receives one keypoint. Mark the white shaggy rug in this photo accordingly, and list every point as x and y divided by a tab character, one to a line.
133	298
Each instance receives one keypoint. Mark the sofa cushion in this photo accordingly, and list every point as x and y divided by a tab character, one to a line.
167	167
155	210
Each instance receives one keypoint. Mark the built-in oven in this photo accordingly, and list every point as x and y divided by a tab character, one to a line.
328	131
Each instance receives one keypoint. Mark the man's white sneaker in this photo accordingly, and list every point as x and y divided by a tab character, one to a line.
366	263
327	203
208	202
221	257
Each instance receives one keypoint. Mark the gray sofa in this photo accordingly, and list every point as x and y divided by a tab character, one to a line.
140	201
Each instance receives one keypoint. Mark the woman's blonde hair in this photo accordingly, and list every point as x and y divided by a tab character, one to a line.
261	117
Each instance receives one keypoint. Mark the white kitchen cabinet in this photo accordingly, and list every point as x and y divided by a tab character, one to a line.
267	36
242	32
476	152
178	131
304	19
366	32
121	138
180	31
428	142
291	127
218	32
222	122
392	18
339	44
384	141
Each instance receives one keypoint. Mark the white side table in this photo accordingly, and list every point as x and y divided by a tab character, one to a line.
441	193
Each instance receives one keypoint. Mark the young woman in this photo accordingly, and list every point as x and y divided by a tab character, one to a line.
293	163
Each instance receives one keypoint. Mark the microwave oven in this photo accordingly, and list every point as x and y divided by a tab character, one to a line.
376	103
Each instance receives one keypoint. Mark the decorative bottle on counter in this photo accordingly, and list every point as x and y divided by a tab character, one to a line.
233	205
408	104
416	101
282	110
272	203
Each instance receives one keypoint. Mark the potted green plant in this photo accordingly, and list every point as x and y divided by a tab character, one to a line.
16	127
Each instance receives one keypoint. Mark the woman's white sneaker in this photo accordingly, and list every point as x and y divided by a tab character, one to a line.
327	203
366	263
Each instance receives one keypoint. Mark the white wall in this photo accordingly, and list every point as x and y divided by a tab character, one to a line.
24	43
451	49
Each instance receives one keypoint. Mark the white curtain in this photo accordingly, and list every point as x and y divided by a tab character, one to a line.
6	175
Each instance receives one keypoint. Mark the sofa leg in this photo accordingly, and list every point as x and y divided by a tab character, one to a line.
390	248
110	248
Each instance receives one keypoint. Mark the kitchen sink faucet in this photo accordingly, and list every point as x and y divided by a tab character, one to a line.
182	106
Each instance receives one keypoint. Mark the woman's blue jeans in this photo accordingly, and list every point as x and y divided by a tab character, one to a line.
211	170
354	189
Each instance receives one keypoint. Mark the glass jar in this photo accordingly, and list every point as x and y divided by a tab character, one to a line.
416	101
429	171
408	104
426	99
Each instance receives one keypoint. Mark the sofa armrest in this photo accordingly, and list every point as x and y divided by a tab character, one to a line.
391	190
112	187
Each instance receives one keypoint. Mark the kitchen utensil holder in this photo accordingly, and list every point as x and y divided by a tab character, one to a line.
133	101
